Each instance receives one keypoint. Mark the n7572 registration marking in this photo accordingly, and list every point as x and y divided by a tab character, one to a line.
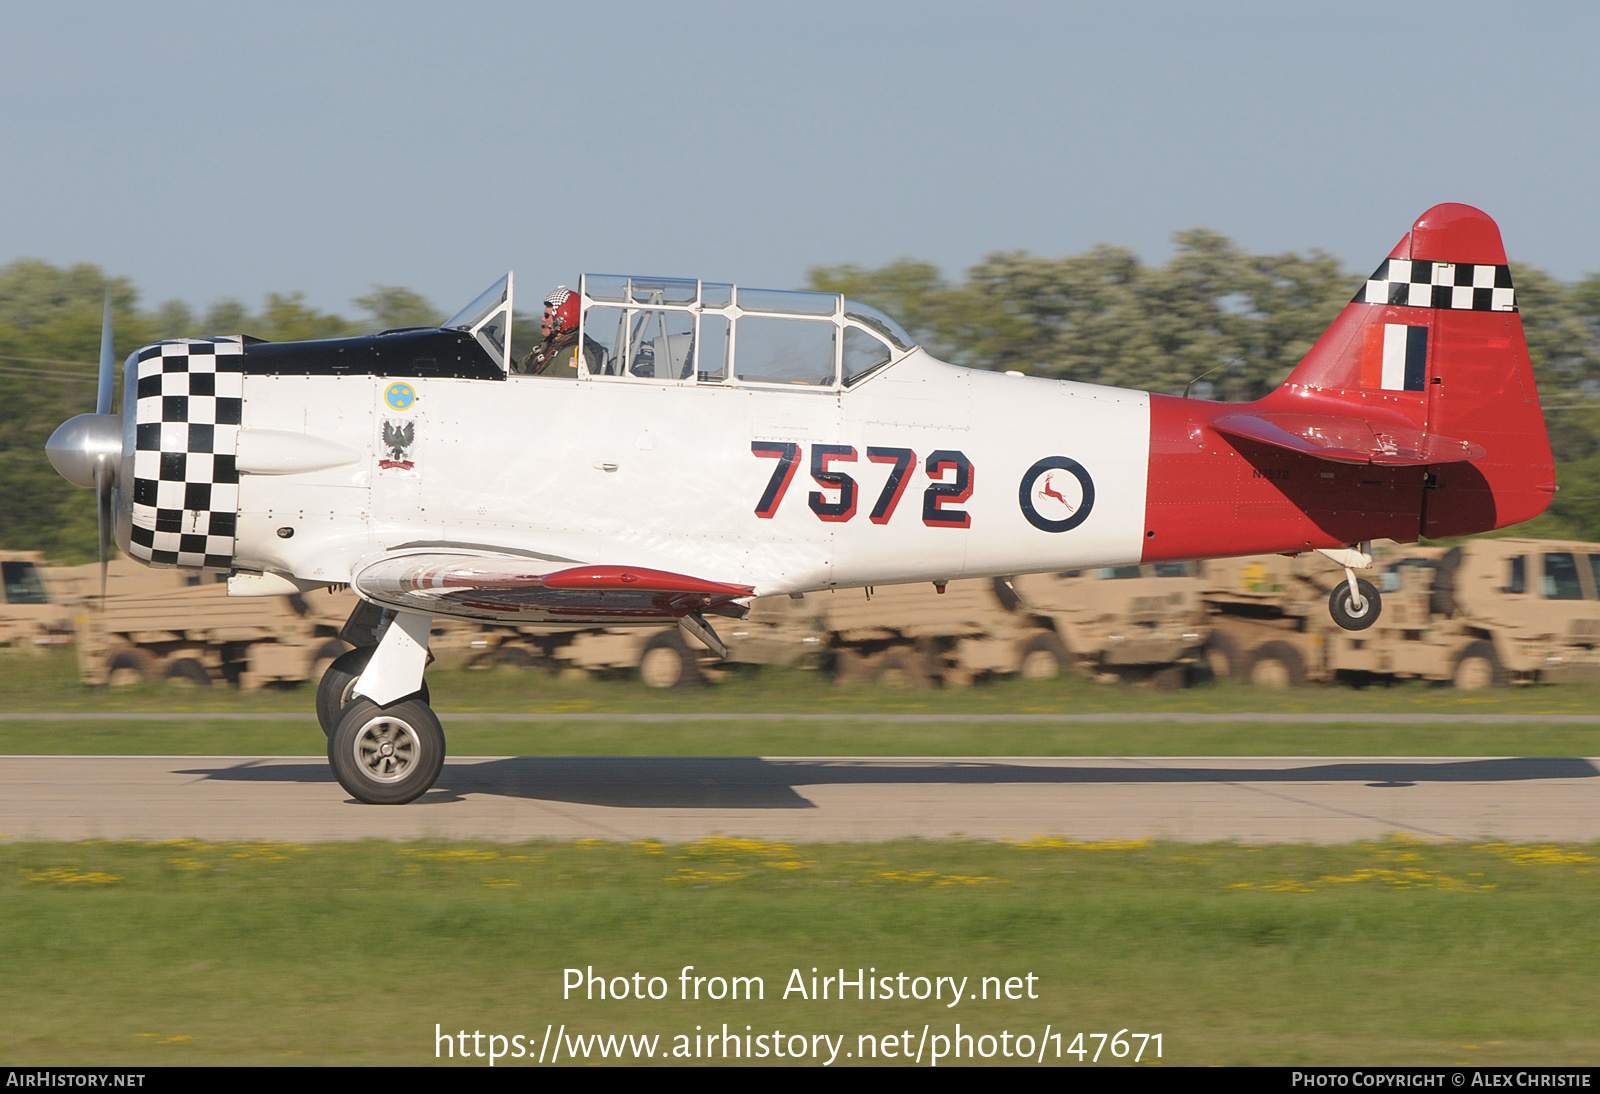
950	474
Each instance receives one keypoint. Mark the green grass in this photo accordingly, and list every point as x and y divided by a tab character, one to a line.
1399	952
299	736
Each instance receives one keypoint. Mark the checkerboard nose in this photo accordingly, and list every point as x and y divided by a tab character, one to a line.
190	397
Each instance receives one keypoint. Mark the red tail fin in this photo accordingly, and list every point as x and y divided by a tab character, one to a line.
1432	350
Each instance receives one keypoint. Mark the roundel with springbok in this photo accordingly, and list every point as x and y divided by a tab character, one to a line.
1056	494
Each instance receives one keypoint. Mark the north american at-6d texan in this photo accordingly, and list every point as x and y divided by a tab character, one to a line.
700	444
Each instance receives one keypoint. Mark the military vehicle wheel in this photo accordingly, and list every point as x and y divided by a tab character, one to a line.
515	657
1044	658
668	662
387	755
330	652
1341	605
189	673
337	683
130	667
1221	656
1478	667
902	668
1277	665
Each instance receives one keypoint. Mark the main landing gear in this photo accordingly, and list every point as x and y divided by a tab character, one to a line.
385	744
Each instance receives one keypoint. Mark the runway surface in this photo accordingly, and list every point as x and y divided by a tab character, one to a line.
1252	800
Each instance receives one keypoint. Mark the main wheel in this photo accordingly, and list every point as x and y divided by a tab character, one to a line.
387	755
337	686
1342	606
668	662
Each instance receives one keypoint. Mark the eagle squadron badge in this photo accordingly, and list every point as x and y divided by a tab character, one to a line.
398	438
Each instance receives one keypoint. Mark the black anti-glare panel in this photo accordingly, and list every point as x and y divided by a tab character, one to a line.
413	353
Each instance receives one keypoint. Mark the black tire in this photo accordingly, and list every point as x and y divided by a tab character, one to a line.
667	662
1478	666
1277	665
334	689
329	652
904	668
1342	606
188	672
130	667
1170	678
387	755
1044	657
515	657
1220	656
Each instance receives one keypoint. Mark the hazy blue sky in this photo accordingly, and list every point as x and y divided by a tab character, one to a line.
226	150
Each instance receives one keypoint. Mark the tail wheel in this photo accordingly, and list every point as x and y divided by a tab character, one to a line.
1044	658
1342	605
387	755
668	662
1478	667
337	686
1277	665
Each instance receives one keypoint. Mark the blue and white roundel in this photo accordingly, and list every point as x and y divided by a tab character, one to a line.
400	396
1056	494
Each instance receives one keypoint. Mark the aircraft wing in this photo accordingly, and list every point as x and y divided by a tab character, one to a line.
514	588
1348	440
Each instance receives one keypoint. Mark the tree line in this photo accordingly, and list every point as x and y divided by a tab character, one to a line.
1234	322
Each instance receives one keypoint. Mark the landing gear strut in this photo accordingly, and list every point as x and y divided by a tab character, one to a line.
385	744
338	684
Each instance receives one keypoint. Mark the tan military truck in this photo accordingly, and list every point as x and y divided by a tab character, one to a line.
1488	612
171	624
35	613
1142	623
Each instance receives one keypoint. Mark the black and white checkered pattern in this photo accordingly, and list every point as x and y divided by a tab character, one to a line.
185	485
1462	286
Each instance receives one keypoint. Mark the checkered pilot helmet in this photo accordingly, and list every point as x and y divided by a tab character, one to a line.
563	305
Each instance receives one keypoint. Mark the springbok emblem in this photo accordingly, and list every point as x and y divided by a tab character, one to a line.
1049	491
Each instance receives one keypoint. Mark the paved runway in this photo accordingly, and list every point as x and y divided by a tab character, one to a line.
1253	800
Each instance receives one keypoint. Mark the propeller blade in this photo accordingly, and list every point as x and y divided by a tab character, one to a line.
102	489
108	369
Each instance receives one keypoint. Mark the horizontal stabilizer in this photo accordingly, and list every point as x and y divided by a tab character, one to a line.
508	587
1348	440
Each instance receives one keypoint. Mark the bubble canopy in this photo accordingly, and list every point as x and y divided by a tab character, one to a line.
686	331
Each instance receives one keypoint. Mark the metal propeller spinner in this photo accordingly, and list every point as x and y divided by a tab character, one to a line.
87	450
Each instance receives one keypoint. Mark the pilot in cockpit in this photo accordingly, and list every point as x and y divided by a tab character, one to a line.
551	357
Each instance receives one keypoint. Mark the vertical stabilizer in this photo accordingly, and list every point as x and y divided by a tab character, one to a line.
1433	341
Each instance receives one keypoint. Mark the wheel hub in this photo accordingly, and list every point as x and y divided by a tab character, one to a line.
386	749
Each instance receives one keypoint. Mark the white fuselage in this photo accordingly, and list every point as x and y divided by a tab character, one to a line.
631	472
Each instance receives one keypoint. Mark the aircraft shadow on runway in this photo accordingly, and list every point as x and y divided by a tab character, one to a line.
739	782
